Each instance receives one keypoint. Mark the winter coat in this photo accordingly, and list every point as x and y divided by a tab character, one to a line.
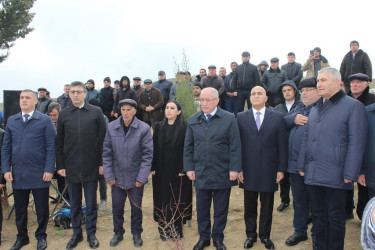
121	95
310	68
42	105
361	64
80	135
282	106
92	94
212	149
127	158
64	101
334	142
271	81
368	167
165	88
245	77
138	90
28	150
153	98
215	82
106	99
264	152
293	72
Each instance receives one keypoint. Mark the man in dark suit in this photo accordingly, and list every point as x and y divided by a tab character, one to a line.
264	161
28	162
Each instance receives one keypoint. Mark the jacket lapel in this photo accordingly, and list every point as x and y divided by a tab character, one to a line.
251	119
266	120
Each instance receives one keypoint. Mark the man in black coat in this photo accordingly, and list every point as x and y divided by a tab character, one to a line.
355	61
80	134
264	161
293	69
124	92
106	99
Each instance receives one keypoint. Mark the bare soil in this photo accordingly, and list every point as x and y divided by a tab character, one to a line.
234	233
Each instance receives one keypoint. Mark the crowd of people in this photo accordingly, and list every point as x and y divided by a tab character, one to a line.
310	134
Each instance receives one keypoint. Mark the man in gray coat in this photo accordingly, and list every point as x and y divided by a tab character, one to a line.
331	156
212	159
127	157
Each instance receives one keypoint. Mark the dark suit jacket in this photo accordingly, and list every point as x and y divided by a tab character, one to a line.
264	152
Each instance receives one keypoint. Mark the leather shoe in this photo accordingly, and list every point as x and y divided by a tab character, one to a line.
219	245
119	236
295	239
93	241
19	244
201	244
137	240
268	243
73	242
249	242
42	244
282	207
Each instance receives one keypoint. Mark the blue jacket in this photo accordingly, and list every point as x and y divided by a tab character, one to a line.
334	142
295	135
92	94
127	158
369	162
212	149
28	150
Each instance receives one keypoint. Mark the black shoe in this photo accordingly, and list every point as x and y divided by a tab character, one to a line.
282	207
137	240
73	242
219	245
268	243
249	242
93	241
201	244
295	239
42	244
119	236
19	244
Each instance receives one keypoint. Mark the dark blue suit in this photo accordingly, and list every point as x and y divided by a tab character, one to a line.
264	153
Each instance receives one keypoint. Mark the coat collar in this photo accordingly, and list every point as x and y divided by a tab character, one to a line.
118	125
36	115
86	106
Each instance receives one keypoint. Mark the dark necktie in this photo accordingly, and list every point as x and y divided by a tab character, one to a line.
26	117
208	117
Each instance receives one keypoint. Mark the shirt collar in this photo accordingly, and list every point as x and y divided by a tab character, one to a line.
30	114
262	111
212	113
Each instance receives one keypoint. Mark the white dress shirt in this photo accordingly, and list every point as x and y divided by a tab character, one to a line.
262	113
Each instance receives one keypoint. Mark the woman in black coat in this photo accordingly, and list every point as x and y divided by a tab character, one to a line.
172	189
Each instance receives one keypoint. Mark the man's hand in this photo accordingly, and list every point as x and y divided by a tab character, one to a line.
101	171
115	115
362	180
229	94
181	174
347	181
311	58
149	109
191	175
153	172
138	184
111	182
300	119
234	93
61	172
301	173
47	176
2	185
233	175
279	177
8	176
240	177
112	113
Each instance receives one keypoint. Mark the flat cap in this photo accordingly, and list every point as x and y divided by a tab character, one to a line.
130	102
245	53
263	63
212	67
161	72
147	81
308	83
137	78
42	89
359	76
274	59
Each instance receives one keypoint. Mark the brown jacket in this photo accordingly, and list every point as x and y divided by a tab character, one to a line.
153	98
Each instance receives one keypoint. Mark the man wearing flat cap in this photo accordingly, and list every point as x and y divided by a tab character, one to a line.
213	80
151	102
272	80
355	61
43	101
359	89
164	86
137	85
127	158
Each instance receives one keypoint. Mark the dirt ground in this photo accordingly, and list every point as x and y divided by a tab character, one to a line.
234	233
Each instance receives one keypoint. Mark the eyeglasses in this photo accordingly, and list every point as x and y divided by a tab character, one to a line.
206	99
307	90
76	92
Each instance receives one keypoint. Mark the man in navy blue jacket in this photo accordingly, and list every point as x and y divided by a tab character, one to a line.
28	162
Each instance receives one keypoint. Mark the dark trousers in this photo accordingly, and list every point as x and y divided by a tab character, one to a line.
251	213
363	198
349	204
242	97
300	204
285	188
75	193
371	193
231	105
21	201
220	198
102	188
61	185
328	212
118	202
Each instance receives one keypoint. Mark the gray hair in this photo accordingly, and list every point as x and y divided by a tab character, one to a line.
78	83
52	106
333	72
31	91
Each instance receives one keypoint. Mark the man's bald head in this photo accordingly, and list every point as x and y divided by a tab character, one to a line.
258	97
209	99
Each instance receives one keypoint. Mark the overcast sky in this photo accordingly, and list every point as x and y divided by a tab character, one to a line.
83	39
